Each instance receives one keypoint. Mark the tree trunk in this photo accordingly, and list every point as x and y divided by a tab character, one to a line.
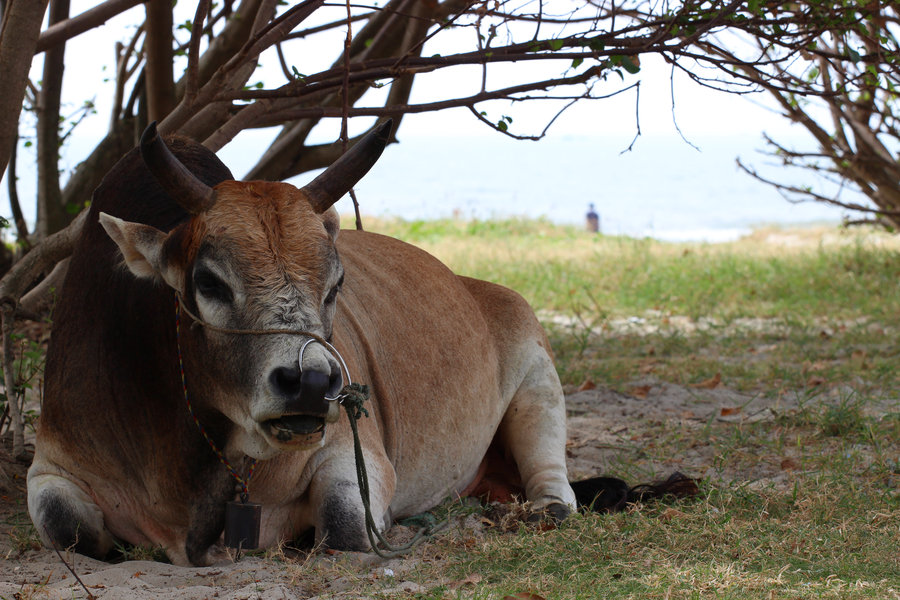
18	39
51	214
160	86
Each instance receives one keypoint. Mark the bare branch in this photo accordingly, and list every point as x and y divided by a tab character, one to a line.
123	73
15	207
193	71
69	28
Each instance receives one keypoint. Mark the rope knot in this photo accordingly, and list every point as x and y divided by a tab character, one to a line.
353	396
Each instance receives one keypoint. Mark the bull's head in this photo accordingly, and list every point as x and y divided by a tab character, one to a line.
254	256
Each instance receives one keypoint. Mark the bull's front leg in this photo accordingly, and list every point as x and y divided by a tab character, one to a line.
340	520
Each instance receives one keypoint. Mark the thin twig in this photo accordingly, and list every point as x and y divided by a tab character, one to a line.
637	117
71	570
345	107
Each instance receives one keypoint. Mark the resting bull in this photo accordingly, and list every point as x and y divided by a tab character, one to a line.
453	364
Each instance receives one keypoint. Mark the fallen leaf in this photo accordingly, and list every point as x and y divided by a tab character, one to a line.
819	365
524	596
546	525
858	359
814	381
671	513
640	391
708	384
789	464
727	411
137	573
587	385
648	367
469	580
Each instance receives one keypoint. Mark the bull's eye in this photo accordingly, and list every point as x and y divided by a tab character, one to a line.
332	296
212	287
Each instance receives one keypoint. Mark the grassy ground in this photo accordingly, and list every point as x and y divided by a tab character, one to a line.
799	500
812	506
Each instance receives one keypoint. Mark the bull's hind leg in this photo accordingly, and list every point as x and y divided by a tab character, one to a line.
64	515
533	431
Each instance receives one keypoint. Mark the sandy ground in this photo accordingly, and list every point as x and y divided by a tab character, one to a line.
602	424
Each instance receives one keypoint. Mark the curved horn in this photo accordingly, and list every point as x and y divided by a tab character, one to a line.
189	192
336	180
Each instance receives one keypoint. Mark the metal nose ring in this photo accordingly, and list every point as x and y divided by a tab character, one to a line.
333	351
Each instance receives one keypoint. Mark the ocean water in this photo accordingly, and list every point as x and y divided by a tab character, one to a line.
663	188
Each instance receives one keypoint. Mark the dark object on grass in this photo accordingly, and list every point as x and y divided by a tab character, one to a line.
609	494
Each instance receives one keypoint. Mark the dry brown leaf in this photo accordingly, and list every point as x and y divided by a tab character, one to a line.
819	365
671	513
524	596
789	464
814	381
640	391
708	384
587	385
472	579
728	411
648	367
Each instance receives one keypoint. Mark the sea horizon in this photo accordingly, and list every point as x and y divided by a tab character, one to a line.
664	188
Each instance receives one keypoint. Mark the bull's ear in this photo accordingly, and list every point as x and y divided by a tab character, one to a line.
332	221
141	247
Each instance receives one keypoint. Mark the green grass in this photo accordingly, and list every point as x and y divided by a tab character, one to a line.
804	503
565	269
811	319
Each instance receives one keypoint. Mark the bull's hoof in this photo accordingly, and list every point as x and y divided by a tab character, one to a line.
554	513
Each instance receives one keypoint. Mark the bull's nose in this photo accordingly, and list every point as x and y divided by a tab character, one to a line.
303	391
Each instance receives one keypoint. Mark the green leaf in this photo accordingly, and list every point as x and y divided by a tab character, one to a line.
631	64
502	126
576	62
555	44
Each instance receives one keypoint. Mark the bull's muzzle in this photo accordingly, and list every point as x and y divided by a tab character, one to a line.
308	395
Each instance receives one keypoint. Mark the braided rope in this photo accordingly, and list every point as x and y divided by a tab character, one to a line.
352	398
244	483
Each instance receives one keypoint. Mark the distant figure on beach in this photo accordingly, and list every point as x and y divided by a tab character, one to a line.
593	219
